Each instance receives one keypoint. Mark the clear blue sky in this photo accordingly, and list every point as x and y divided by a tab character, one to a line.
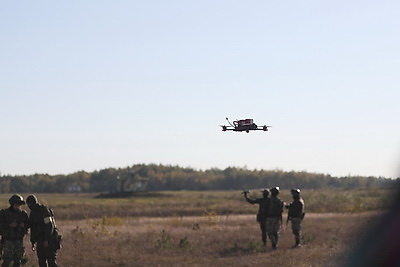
87	85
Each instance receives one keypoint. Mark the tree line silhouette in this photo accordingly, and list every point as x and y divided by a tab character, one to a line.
167	177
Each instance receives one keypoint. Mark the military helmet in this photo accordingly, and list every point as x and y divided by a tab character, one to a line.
31	199
265	191
275	191
16	199
295	192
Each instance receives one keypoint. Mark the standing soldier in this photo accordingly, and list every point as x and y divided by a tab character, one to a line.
44	235
296	215
14	224
274	217
261	215
2	214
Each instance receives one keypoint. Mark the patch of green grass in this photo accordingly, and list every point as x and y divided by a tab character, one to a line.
184	243
164	240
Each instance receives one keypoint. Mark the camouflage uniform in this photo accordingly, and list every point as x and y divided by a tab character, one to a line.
274	217
261	215
296	215
43	231
14	226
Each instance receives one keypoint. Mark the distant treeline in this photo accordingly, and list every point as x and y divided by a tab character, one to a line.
161	178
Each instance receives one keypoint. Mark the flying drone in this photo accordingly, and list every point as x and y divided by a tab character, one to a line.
246	125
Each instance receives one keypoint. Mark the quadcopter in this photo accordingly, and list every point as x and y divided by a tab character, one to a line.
246	125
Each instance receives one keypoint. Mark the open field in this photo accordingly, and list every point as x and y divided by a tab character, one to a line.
198	203
204	229
205	241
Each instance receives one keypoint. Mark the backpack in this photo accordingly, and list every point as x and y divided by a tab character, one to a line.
56	235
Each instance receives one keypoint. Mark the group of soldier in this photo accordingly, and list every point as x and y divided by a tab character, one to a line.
270	212
15	224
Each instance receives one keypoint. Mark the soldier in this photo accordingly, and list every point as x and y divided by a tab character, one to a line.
14	224
296	215
44	235
274	217
261	215
2	212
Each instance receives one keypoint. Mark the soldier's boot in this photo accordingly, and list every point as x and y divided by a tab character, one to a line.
273	240
42	262
264	240
264	247
297	242
17	263
52	263
276	238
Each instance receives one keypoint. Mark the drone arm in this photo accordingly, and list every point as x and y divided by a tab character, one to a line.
229	122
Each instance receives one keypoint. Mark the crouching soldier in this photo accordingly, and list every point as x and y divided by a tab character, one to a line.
14	224
44	235
296	215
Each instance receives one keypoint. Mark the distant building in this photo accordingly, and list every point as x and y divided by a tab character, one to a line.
74	188
131	183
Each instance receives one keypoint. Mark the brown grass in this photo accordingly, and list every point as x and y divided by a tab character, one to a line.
207	240
204	229
189	203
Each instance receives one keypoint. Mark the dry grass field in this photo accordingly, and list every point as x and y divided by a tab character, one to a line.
205	241
203	229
